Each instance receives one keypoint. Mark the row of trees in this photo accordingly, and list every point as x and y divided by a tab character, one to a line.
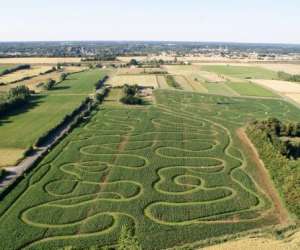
15	99
288	77
281	135
14	69
278	128
285	173
100	83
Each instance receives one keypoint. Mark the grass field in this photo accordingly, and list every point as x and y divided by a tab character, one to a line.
142	80
250	89
4	67
219	89
175	172
33	82
45	111
241	72
20	74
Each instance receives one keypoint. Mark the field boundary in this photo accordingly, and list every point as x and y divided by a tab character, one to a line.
27	163
266	181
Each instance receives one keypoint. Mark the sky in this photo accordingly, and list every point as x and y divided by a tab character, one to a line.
259	21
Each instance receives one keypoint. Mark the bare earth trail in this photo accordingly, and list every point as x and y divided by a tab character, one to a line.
16	171
265	179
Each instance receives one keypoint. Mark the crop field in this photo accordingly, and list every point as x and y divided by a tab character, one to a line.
137	71
293	69
174	172
45	111
40	60
4	67
142	80
20	74
241	72
283	88
219	89
195	72
161	82
250	89
33	82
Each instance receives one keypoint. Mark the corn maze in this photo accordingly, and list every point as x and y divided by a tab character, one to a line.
174	173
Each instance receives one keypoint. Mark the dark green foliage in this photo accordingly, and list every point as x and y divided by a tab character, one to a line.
133	62
172	82
14	69
15	99
101	94
275	129
172	173
285	173
49	84
288	77
3	173
101	82
127	241
63	76
131	95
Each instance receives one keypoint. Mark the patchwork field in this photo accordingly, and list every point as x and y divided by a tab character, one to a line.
142	80
33	82
136	71
192	71
40	60
20	74
175	173
283	88
45	111
293	69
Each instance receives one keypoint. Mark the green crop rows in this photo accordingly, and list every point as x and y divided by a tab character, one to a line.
173	172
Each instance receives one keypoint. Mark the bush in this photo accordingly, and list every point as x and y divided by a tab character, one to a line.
15	99
49	84
288	77
130	97
63	76
127	241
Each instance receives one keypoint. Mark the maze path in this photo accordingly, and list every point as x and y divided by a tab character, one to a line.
174	165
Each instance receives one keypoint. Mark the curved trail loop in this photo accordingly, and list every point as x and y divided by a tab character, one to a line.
174	165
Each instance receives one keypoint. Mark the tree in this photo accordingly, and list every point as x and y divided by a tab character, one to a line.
49	84
127	241
63	76
133	62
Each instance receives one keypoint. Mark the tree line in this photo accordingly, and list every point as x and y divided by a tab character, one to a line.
282	136
288	77
284	172
14	69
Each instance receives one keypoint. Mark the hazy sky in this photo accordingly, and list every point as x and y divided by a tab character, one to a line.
176	20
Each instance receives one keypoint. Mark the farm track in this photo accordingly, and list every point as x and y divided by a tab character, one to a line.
175	166
265	179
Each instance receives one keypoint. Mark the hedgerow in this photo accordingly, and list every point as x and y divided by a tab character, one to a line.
285	173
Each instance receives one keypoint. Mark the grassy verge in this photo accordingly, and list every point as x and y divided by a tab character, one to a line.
250	89
172	82
45	111
285	173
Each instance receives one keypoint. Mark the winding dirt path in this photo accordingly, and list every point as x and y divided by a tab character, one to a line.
264	177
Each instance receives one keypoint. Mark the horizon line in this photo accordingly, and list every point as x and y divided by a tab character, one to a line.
161	41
